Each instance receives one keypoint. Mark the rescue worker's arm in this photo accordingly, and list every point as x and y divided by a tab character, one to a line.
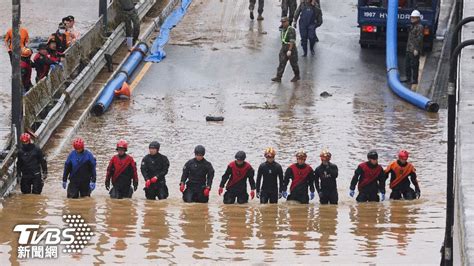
109	173
8	39
381	180
210	175
418	36
259	178
67	169
135	174
144	168
226	176
42	160
286	180
311	181
316	179
166	166
93	168
297	13
27	38
280	178
292	39
415	181
19	164
185	175
250	175
319	17
355	179
333	171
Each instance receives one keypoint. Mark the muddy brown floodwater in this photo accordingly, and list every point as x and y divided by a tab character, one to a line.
221	64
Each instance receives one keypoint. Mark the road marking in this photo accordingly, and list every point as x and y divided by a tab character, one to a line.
140	76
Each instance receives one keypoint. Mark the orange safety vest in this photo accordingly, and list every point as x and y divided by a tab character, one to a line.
24	38
401	172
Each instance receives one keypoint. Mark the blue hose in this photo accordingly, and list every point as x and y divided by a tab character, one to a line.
393	75
129	66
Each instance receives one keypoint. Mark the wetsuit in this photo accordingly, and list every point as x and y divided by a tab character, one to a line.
26	69
31	164
155	166
197	175
121	170
325	182
302	177
42	64
272	174
237	175
400	176
80	169
371	179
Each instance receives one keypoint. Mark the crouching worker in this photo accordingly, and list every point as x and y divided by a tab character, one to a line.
236	176
122	170
154	169
302	177
371	179
399	171
80	170
196	180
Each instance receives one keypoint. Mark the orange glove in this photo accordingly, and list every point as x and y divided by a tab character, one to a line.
252	194
182	187
154	180
221	189
148	183
206	191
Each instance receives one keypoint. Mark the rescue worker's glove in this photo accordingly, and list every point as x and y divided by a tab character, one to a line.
382	198
258	194
154	180
107	185
284	194
64	184
288	53
311	196
280	195
182	187
45	175
351	193
221	189
416	53
148	183
135	185
418	193
206	191
92	186
252	194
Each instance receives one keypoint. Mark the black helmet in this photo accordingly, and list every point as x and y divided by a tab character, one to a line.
154	145
200	150
373	155
240	155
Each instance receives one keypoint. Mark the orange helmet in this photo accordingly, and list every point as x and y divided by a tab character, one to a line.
270	152
325	154
26	52
301	154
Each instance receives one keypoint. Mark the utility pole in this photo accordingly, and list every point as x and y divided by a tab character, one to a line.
103	13
17	90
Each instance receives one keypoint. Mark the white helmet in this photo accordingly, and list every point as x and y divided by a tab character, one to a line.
415	13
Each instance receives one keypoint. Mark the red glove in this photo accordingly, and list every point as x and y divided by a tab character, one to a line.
181	187
154	180
221	189
252	194
206	191
148	183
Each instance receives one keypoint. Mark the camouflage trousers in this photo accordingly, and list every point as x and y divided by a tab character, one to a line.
288	5
260	5
284	59
131	17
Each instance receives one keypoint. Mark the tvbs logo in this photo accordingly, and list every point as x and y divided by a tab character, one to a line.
34	243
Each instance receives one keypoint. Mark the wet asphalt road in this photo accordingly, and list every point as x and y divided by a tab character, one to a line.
221	63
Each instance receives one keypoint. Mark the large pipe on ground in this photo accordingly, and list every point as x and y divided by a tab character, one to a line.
129	66
393	75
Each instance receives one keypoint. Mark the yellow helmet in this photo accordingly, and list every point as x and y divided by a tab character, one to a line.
270	151
26	52
301	154
325	154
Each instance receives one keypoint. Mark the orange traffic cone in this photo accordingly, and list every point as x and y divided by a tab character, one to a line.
124	91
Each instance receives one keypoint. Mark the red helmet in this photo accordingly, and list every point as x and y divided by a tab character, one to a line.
403	154
123	144
78	144
25	138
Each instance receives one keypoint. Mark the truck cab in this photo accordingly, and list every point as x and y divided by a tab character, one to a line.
372	20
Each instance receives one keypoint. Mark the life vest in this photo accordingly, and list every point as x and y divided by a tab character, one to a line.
300	175
401	172
119	165
238	173
369	175
284	34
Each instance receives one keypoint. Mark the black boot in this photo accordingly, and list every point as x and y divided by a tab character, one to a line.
251	15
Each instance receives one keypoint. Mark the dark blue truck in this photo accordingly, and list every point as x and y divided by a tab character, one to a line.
372	18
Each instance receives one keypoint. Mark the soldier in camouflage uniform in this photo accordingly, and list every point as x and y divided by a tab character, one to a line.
260	8
130	16
288	5
288	51
414	47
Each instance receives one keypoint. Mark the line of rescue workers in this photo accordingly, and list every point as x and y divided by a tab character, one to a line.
198	174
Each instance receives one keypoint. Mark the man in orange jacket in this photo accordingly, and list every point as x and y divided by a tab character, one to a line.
399	171
24	39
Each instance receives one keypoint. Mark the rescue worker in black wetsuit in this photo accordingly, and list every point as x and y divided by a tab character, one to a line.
196	180
31	165
401	172
154	169
325	179
371	179
80	169
236	176
302	177
122	170
272	173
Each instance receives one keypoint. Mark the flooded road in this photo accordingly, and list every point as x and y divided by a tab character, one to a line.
37	17
220	63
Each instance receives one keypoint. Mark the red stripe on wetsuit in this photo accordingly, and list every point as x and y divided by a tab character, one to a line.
300	175
238	173
369	174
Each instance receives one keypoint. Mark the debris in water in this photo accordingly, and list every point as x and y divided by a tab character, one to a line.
214	118
325	94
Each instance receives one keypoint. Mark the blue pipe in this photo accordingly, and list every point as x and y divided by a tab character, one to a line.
393	75
129	66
